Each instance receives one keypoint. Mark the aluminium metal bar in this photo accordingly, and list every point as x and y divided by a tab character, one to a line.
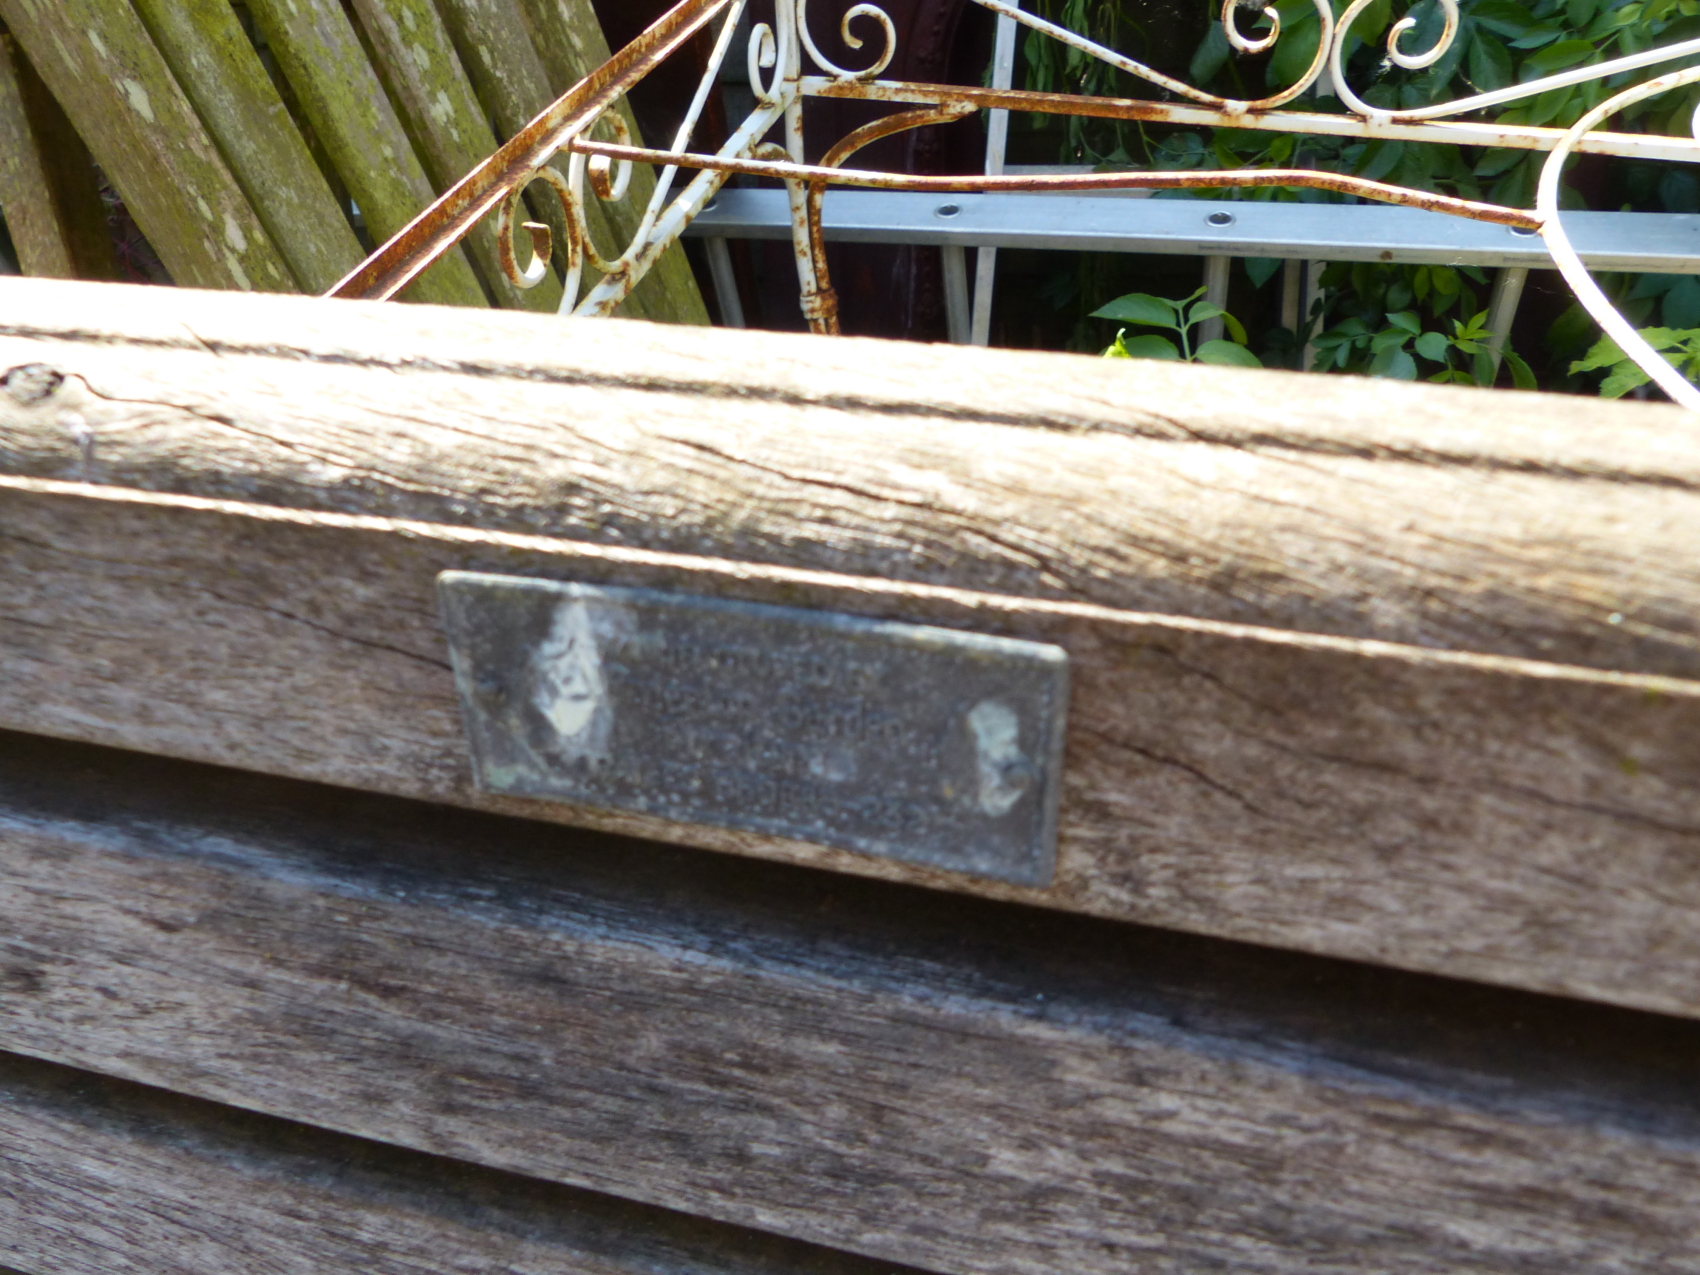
1660	243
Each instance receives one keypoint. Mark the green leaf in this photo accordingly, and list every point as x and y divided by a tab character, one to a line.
1203	310
1548	107
1236	329
1521	376
1654	285
1420	282
1408	320
1432	345
1625	377
1682	304
1504	16
1495	162
1227	354
1555	57
1490	64
1295	50
1662	338
1581	12
1603	354
1445	280
1379	159
1140	307
1211	56
1396	364
1150	347
1388	339
1262	269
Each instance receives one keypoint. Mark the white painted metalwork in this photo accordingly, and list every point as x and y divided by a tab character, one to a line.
786	65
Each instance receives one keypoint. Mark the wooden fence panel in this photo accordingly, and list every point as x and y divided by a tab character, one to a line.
320	51
419	65
507	65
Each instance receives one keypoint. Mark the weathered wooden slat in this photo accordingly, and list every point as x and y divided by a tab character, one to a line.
508	70
1509	821
956	1084
320	52
568	39
1526	525
47	180
1470	814
101	1175
103	67
98	1175
219	71
419	65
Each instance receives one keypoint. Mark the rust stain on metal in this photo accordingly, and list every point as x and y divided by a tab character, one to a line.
779	46
452	217
1343	183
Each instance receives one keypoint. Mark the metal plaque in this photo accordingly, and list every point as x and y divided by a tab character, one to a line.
915	743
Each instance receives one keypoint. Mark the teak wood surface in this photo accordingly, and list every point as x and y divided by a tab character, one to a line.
98	1175
951	1083
1395	674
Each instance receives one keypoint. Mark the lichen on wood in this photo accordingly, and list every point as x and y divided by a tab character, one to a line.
220	72
104	69
48	186
508	69
450	129
321	54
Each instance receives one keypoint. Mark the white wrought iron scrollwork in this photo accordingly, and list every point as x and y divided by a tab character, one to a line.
779	81
888	30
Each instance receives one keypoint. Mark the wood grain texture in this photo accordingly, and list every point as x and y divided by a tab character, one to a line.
320	52
496	46
1477	815
105	71
48	188
1512	524
222	75
1519	823
450	129
98	1176
965	1086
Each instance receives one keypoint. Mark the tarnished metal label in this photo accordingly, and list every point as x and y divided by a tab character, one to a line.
915	743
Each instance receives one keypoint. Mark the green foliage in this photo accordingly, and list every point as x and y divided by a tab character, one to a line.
1499	43
1681	348
1053	67
1179	317
1394	321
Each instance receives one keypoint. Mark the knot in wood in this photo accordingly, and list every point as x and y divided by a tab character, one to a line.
32	383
